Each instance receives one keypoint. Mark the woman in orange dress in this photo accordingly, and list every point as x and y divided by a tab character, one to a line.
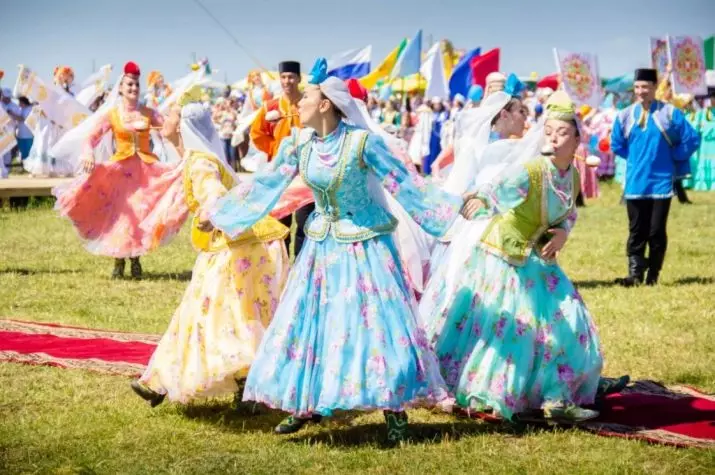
108	203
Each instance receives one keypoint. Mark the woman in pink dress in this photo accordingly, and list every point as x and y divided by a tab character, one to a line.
108	203
589	178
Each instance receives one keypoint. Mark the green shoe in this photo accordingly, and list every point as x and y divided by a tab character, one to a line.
571	414
149	395
612	385
136	268
118	272
292	424
244	407
396	426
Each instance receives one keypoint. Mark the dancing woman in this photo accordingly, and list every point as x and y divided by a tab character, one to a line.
345	334
501	117
108	203
513	335
235	285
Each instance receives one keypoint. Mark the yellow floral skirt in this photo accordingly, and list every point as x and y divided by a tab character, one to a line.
214	334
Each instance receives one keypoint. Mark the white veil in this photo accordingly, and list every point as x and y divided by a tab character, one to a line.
413	243
70	147
501	159
198	133
474	138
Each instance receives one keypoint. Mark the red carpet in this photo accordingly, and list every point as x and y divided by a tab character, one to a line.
71	347
646	410
676	415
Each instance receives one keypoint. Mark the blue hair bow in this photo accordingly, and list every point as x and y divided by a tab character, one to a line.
513	86
319	73
476	93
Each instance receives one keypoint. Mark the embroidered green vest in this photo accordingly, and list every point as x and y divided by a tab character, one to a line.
512	235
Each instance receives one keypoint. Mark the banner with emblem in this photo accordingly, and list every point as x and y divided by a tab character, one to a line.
94	85
7	133
59	106
579	77
659	55
687	59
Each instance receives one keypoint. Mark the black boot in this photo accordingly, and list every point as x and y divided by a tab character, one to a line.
608	386
118	272
396	426
636	269
136	268
580	201
149	395
680	193
655	264
248	408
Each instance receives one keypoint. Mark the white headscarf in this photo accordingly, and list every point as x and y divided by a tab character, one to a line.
412	242
473	139
198	133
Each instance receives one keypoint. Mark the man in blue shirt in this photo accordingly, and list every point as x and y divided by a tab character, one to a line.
657	142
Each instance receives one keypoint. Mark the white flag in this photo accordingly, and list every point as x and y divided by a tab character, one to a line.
94	85
59	106
433	71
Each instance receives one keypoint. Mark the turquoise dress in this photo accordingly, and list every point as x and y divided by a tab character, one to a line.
440	248
345	334
703	162
508	336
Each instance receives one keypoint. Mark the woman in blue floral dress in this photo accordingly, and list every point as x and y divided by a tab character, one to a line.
345	334
511	332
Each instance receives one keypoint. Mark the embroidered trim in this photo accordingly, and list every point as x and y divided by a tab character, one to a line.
655	197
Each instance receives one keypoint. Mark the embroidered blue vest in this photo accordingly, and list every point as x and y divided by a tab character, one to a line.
343	206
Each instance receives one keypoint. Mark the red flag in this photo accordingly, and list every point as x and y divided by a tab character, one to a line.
552	81
483	65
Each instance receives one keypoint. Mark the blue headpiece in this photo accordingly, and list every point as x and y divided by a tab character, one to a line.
513	86
319	73
476	93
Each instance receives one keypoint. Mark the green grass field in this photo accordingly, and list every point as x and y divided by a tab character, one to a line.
71	421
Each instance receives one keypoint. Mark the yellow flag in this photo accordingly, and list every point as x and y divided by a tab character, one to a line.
384	69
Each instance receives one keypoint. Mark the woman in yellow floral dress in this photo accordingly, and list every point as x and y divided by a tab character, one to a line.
235	286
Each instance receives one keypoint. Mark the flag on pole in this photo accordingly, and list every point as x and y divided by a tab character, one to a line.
94	85
483	65
686	55
354	63
60	107
579	77
410	60
461	79
384	69
709	49
433	71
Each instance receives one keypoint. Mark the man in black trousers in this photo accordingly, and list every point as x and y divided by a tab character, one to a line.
657	142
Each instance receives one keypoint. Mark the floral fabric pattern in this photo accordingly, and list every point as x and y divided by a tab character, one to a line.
345	334
512	337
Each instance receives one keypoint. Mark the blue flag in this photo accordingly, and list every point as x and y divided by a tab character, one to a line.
410	60
461	79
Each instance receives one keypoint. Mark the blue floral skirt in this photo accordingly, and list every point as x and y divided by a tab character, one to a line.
512	338
345	336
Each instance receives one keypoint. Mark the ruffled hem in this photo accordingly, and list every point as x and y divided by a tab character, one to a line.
420	402
108	207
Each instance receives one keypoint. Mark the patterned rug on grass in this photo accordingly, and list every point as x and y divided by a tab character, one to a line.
111	352
673	415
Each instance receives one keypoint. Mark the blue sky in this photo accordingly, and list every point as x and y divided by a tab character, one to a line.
163	34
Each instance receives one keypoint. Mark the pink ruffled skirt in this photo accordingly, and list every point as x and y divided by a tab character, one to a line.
108	206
